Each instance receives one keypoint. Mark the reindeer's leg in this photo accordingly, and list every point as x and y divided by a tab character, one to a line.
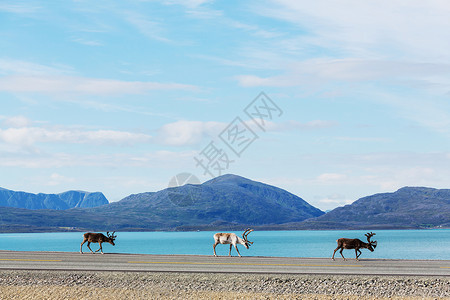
342	249
229	253
88	244
357	254
334	252
214	247
81	246
235	246
100	249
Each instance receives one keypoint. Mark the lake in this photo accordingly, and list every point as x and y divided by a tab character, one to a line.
392	244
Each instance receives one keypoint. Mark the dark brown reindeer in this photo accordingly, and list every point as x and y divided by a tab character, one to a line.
91	237
233	240
355	244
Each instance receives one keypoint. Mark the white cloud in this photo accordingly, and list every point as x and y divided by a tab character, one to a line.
29	136
82	85
15	121
370	51
332	201
363	139
57	179
197	8
414	29
146	25
27	77
87	42
43	160
14	66
18	8
183	133
331	177
323	70
419	94
187	3
293	125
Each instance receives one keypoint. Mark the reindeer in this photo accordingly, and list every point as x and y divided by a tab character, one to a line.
355	244
99	238
233	240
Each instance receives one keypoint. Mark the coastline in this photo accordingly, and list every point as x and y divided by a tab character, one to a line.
27	284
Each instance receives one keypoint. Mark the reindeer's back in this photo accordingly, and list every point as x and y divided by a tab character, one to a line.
224	237
348	243
94	237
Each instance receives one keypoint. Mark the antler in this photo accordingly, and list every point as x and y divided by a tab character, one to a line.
369	235
245	235
111	236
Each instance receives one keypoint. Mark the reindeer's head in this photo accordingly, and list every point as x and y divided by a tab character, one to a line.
372	244
111	238
244	237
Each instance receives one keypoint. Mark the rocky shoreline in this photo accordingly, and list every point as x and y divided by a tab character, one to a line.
24	284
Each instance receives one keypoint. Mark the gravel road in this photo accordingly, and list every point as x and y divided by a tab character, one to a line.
22	284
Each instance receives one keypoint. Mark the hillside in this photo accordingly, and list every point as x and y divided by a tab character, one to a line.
228	201
409	207
60	201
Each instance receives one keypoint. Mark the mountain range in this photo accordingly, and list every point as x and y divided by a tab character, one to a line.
409	207
231	202
66	200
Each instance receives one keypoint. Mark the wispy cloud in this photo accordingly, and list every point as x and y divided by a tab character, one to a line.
363	139
187	3
415	91
331	177
296	125
325	70
15	121
57	179
44	160
27	77
18	8
9	66
83	85
147	26
368	29
87	42
184	133
23	135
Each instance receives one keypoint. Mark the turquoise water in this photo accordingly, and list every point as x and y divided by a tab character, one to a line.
392	244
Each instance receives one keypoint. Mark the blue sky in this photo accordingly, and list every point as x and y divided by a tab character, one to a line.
119	97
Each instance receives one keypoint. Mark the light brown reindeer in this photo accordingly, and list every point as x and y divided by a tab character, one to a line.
356	244
233	240
91	237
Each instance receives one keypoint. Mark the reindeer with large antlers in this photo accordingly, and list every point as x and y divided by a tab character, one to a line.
233	240
99	238
356	244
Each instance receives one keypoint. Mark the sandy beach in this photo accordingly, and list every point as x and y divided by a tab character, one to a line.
24	284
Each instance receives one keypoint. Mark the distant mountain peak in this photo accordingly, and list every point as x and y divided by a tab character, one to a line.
61	201
228	199
416	188
228	178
